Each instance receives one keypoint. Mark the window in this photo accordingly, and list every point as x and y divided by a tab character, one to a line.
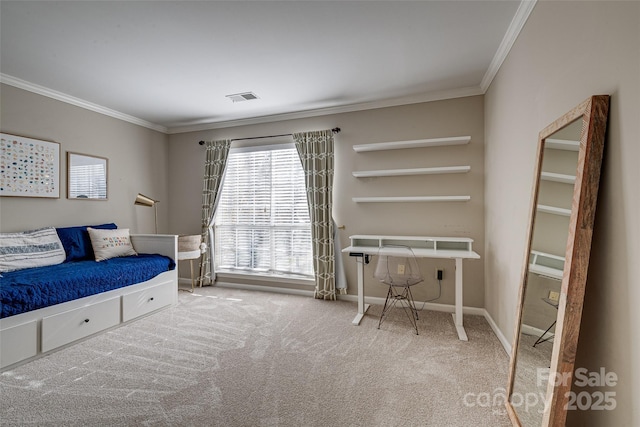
262	221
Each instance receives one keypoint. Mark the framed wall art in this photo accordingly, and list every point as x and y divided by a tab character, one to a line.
29	167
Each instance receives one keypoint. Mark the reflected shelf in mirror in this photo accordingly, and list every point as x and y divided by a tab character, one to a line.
562	144
547	265
558	177
554	210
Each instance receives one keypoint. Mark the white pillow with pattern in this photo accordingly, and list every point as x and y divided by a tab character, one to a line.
110	243
28	249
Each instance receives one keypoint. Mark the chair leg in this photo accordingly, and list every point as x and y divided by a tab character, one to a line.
412	303
392	298
541	338
412	312
386	306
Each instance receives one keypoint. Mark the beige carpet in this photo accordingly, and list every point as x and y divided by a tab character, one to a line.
226	357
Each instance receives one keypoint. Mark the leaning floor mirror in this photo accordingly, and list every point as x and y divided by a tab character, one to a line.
556	261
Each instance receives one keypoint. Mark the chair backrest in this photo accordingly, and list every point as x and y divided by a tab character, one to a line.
400	269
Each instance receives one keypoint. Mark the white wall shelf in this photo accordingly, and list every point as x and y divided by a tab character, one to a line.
554	210
558	177
415	171
562	144
396	145
400	199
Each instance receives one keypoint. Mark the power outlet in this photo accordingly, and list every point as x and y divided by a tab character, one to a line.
554	296
400	269
439	274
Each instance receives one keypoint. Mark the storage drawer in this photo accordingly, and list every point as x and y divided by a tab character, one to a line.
138	303
18	343
63	328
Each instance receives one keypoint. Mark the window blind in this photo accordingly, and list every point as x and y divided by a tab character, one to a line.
88	181
262	221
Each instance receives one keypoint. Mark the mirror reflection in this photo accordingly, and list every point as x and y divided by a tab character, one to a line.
86	177
544	275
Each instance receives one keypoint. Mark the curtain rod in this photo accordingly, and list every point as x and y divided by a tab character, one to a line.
334	130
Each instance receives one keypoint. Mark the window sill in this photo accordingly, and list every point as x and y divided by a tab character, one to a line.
265	278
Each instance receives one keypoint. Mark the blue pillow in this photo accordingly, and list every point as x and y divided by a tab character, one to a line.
76	241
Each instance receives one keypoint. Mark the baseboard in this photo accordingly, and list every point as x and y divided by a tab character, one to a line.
506	344
447	308
536	332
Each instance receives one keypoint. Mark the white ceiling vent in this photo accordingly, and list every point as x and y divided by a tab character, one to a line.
241	97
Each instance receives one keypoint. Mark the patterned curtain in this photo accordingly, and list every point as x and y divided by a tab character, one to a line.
217	154
316	154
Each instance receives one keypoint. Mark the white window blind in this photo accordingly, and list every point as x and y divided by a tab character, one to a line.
88	181
262	221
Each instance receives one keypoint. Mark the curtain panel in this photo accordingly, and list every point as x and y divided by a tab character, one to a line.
214	167
316	154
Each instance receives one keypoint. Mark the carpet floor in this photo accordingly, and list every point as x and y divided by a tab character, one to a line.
230	357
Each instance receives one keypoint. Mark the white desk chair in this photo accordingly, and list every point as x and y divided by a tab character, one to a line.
190	248
399	272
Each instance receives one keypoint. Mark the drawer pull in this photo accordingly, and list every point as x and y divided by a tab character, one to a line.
151	299
86	320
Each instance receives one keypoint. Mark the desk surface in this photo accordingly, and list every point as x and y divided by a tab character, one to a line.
410	238
418	252
422	246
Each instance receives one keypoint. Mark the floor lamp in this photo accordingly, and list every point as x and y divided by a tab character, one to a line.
143	200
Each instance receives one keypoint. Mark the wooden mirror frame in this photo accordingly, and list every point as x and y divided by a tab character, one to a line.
594	112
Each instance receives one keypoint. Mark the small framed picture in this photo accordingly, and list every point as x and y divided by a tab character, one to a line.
87	176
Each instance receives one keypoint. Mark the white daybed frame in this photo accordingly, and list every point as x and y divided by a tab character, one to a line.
27	336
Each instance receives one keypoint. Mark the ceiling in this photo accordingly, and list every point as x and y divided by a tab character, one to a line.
169	65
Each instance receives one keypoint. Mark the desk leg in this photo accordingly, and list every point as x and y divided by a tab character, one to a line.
362	307
457	316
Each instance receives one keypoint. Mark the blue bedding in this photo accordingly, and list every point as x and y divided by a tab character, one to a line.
34	288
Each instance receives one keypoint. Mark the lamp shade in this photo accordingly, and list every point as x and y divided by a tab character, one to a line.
143	200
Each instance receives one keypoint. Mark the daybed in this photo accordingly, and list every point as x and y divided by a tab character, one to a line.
48	307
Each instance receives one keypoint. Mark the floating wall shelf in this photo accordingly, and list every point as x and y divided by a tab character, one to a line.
396	145
417	171
554	210
562	144
397	199
558	177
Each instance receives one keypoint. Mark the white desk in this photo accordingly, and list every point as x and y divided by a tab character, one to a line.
457	248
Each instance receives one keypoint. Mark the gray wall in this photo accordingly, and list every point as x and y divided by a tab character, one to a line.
456	117
567	52
137	163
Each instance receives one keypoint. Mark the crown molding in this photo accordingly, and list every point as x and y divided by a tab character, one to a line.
516	25
59	96
393	102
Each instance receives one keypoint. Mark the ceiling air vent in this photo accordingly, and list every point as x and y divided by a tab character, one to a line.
241	97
